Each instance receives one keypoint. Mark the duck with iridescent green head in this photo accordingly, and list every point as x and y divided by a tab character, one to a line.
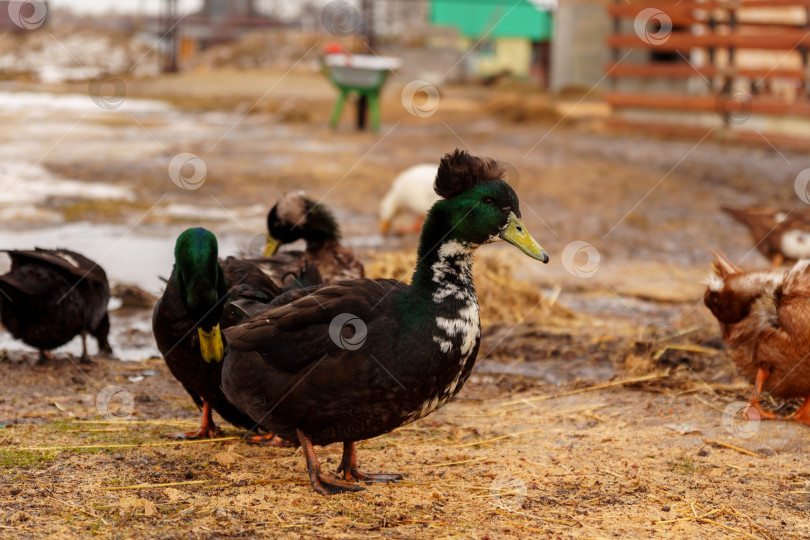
353	360
202	296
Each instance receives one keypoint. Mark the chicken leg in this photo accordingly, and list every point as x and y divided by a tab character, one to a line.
754	409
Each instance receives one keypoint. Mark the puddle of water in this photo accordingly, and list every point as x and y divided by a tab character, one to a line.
133	256
138	257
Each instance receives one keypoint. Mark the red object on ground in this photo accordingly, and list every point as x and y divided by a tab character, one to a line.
333	48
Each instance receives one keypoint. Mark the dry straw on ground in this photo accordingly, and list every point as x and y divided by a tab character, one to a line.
504	298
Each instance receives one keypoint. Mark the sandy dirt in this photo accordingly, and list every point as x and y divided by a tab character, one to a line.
512	456
545	440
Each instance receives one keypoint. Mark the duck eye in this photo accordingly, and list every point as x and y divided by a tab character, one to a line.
488	200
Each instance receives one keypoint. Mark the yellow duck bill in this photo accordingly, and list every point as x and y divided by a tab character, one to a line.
271	247
211	347
516	234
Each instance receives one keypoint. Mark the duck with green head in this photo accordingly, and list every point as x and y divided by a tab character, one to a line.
356	359
297	217
199	300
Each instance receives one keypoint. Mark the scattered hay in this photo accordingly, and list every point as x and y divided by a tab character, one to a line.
488	464
522	108
504	299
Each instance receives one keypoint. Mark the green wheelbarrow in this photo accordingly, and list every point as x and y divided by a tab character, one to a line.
362	74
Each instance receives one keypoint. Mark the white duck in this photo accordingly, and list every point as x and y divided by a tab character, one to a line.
411	193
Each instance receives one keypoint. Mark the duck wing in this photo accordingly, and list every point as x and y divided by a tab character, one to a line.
247	279
281	267
65	260
350	265
310	324
15	290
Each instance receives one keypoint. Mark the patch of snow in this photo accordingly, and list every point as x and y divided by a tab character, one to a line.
31	102
194	211
76	54
26	183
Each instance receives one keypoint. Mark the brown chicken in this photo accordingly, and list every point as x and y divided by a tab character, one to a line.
783	236
764	317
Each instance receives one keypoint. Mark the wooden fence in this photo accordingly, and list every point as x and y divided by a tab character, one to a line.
734	58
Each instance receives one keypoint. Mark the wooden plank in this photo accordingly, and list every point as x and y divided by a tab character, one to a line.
684	41
682	70
681	11
759	26
682	102
765	73
678	16
774	4
632	9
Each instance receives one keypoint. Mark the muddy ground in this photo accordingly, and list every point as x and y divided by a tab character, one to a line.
545	440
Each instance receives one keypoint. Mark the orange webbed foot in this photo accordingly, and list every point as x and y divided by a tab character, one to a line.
348	466
269	440
208	429
354	475
320	482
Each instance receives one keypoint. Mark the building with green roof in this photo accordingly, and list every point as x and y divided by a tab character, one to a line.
501	35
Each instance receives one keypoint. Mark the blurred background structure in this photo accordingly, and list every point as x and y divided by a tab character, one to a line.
691	64
624	126
665	65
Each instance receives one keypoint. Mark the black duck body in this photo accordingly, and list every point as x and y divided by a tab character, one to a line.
359	393
358	358
174	326
52	295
